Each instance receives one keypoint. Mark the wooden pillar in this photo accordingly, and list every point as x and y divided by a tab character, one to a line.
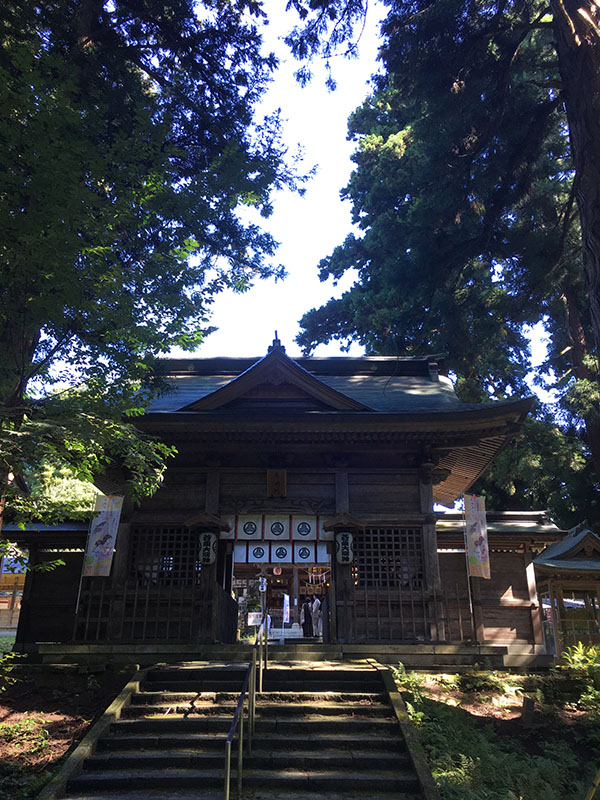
478	621
23	635
430	555
342	588
536	611
209	574
555	618
431	565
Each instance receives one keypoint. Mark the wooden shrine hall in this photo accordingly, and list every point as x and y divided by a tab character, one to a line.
320	474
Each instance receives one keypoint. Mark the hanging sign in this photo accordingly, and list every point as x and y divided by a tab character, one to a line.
344	552
476	541
208	548
102	536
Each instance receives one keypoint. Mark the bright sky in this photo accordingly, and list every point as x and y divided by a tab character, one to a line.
308	228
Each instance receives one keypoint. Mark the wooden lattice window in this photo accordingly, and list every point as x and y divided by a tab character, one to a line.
166	556
389	557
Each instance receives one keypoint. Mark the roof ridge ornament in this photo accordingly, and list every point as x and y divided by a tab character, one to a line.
276	345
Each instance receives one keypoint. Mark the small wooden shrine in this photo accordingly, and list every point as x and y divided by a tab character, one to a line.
320	474
568	576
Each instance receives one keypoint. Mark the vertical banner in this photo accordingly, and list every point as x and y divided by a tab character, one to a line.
102	536
286	607
476	541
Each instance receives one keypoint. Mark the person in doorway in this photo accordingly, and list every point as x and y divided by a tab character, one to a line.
316	615
306	618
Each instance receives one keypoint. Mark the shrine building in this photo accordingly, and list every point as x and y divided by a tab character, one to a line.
320	475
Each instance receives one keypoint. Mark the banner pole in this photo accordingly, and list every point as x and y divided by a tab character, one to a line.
87	542
467	564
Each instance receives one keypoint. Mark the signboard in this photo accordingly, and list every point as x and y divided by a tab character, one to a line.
102	536
344	552
476	542
262	584
208	548
254	617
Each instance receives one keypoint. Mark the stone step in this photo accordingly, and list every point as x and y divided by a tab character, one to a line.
259	759
147	698
292	779
295	725
217	794
270	684
172	723
196	710
284	724
286	742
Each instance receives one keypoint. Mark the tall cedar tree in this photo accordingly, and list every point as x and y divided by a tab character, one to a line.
465	198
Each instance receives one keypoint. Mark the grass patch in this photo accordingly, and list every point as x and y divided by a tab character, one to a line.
479	747
6	644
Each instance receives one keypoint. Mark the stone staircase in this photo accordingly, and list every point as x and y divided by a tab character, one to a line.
327	729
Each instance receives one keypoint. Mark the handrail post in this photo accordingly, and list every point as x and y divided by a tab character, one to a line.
240	756
252	710
260	656
227	770
266	649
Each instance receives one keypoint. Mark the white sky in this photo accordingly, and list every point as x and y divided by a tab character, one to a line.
308	228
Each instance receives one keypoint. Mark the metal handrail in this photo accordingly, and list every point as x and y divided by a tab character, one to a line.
248	693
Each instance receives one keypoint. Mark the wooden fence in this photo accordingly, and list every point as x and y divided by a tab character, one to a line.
137	613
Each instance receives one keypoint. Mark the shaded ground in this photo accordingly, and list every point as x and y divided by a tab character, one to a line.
44	714
482	745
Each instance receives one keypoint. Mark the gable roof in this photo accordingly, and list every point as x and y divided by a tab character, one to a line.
276	368
578	550
375	402
379	383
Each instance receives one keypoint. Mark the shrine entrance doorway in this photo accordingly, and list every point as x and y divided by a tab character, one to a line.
294	581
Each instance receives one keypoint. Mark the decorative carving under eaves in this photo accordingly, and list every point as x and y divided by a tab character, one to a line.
283	505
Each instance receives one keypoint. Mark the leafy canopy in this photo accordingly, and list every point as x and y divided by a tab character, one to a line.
130	149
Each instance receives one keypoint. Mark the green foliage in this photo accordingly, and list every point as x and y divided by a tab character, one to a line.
6	644
471	761
7	665
584	657
468	231
28	733
130	147
480	681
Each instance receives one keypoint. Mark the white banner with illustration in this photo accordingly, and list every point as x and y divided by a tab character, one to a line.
102	536
476	541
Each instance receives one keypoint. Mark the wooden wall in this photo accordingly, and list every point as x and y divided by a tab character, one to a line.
503	601
383	493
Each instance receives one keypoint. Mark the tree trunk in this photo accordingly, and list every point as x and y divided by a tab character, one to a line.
578	46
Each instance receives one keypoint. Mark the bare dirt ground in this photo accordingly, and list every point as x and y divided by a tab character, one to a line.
43	715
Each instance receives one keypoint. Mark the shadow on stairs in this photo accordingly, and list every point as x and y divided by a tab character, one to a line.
335	729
